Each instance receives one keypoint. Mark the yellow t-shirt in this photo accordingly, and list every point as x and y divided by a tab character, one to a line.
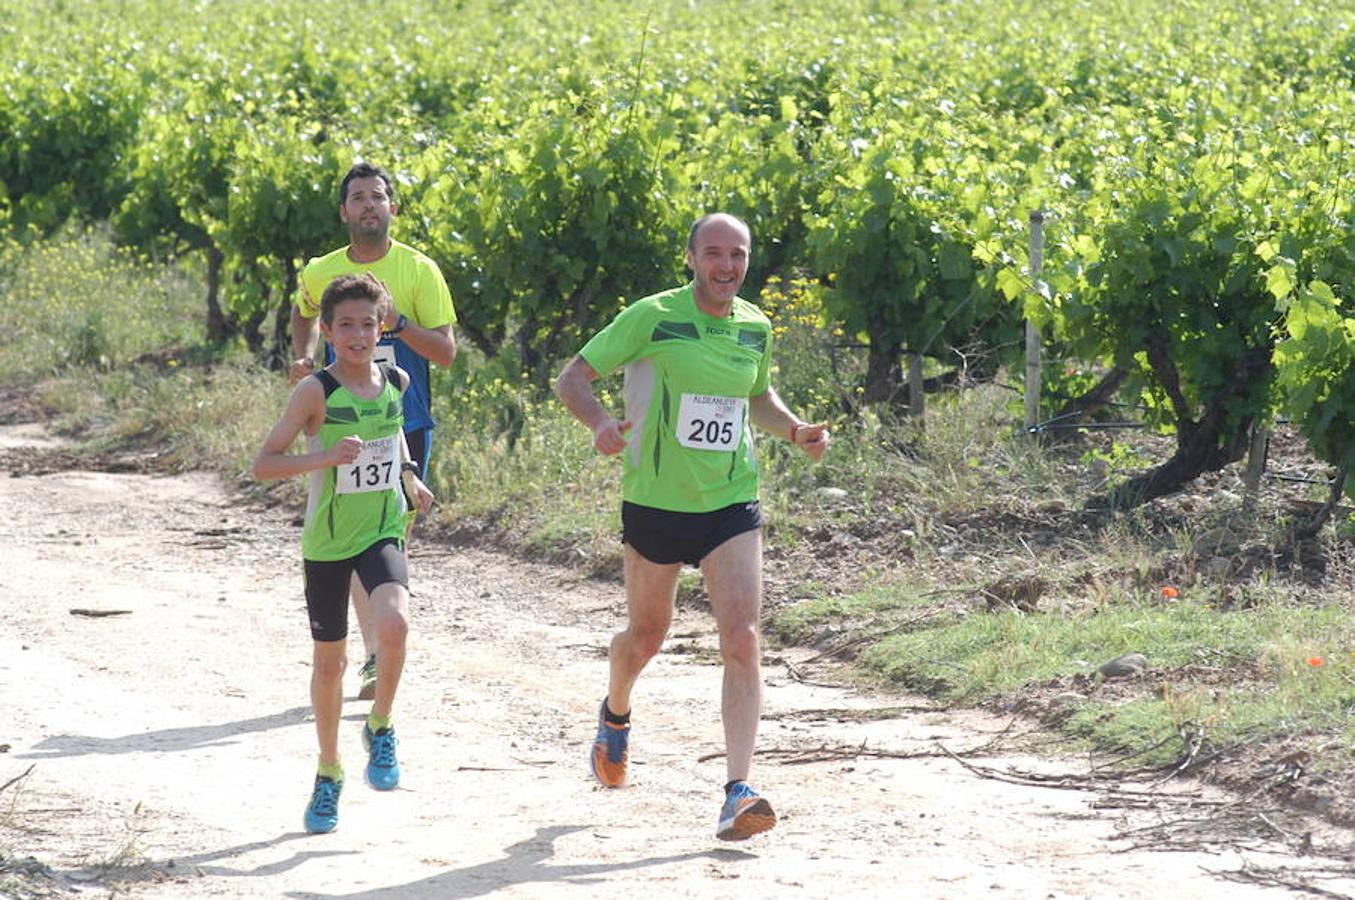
415	283
420	294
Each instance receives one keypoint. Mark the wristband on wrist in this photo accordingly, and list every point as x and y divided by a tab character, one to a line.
405	487
400	322
794	430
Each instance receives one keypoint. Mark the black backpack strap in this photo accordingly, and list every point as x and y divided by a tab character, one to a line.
393	376
327	381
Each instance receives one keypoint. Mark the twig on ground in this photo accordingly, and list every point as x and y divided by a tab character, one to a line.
1285	878
1065	781
1175	824
1174	832
17	778
803	678
1030	779
1127	757
487	769
1126	801
1193	737
1207	758
1287	835
867	713
1192	798
823	753
837	651
1167	844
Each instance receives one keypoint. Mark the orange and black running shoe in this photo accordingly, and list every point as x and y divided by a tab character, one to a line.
609	753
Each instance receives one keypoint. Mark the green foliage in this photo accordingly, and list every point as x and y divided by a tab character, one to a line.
808	368
1293	696
281	207
502	445
895	223
1177	288
984	655
181	169
76	300
569	214
880	609
1118	458
65	125
211	417
1191	161
1317	372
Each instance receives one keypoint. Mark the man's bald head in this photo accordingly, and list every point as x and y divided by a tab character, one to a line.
713	218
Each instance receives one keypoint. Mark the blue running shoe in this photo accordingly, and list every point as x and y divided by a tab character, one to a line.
610	751
383	771
744	814
322	814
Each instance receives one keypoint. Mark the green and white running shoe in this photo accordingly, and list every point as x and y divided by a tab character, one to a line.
367	679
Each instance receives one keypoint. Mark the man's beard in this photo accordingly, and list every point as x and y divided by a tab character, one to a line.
371	230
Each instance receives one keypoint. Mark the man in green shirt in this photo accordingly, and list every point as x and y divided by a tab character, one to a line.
697	363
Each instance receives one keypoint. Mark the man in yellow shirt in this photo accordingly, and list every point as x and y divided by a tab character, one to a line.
417	329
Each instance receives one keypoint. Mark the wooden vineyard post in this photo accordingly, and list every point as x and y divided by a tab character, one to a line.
1256	461
917	403
1033	371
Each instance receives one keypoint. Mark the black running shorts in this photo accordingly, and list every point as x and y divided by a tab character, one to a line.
327	584
665	537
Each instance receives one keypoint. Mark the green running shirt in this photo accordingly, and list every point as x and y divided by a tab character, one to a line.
351	507
688	377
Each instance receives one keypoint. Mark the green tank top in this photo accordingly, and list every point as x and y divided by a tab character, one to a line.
353	506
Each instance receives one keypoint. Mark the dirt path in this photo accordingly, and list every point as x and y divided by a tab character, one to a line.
172	751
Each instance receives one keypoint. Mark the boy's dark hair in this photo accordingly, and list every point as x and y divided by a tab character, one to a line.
352	287
366	170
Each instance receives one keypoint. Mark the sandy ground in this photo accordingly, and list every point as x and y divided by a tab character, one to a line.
172	750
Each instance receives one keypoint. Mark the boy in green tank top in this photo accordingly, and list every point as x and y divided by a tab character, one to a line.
362	488
418	327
